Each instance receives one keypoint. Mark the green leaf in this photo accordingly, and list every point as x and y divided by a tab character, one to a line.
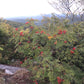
1	48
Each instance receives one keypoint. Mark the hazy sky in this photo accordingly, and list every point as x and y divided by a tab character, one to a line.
9	8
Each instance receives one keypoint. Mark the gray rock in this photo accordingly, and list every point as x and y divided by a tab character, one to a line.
9	69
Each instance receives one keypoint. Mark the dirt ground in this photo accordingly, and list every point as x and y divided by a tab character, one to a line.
20	77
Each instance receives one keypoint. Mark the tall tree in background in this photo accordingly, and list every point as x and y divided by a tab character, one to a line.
68	7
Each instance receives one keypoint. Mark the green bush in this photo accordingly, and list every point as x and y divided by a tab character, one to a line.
7	54
52	52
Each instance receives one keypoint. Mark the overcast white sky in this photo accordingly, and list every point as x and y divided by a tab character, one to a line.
11	8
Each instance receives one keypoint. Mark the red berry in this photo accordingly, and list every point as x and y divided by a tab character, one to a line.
20	62
58	77
38	47
72	52
64	31
26	22
28	41
35	82
25	59
41	52
31	27
16	29
54	35
13	35
48	34
21	33
74	48
37	32
65	41
59	80
19	43
60	30
42	32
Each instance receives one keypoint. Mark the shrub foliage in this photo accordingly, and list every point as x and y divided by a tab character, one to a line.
53	52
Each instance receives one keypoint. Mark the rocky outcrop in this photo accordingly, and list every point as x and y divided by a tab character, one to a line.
9	69
14	75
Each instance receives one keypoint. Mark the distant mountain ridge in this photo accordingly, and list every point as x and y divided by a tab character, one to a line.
22	19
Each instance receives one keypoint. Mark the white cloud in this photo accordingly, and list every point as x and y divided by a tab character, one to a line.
9	8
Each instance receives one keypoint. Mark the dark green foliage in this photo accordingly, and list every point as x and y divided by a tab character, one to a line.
56	51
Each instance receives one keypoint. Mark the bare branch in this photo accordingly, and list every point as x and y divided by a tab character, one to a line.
65	6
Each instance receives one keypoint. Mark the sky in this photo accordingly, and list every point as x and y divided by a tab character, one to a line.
14	8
